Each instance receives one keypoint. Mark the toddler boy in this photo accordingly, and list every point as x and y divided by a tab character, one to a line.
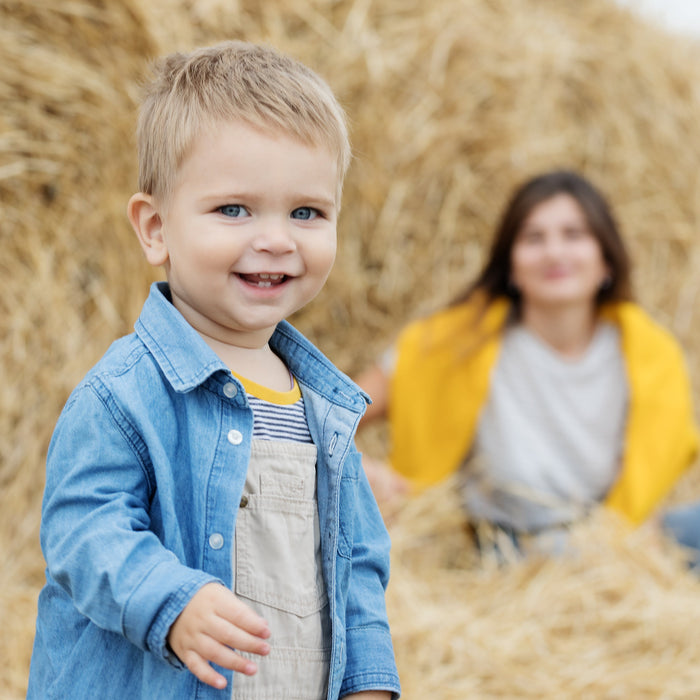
205	506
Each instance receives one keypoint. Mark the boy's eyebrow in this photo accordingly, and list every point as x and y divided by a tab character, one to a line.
321	200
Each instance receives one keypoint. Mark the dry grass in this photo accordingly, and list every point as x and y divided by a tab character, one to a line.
614	619
451	103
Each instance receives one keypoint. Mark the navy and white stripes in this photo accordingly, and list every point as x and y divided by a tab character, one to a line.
273	421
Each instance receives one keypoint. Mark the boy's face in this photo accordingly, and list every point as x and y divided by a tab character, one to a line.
249	231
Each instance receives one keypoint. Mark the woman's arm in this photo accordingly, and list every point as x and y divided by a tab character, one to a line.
375	382
387	485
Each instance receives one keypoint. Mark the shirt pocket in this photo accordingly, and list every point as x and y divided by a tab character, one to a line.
277	550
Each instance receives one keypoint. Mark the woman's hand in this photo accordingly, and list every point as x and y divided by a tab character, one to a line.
388	486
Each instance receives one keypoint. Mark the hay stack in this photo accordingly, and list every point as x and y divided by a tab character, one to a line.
614	619
451	103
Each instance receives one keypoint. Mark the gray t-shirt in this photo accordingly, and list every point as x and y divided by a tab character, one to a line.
549	439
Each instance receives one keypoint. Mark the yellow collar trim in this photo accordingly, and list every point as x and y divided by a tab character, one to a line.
264	393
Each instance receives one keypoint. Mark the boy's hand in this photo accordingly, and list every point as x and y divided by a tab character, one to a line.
211	627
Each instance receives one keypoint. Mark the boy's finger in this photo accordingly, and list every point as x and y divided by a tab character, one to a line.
200	668
228	658
236	638
244	617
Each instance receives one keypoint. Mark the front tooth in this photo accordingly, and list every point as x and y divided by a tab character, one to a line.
264	276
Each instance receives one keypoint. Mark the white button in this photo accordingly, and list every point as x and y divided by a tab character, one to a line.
230	390
216	541
235	437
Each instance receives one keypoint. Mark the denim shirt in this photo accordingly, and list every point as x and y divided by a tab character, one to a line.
145	472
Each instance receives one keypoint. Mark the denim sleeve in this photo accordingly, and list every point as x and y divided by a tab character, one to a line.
95	526
370	655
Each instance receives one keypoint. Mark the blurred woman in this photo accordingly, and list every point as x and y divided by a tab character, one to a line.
543	383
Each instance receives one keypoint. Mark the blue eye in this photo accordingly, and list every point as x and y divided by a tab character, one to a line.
235	211
305	213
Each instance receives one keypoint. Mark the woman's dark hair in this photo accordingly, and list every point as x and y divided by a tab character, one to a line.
494	280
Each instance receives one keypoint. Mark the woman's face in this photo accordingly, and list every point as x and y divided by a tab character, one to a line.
556	260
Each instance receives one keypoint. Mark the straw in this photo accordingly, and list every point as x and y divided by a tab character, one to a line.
450	103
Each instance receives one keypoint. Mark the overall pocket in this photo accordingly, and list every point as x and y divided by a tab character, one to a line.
277	551
273	566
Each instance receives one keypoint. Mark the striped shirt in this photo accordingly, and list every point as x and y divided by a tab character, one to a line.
277	415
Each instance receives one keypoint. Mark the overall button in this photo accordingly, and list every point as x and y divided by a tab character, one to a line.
235	437
244	501
216	540
230	390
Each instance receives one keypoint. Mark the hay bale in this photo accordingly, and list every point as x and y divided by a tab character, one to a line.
611	619
451	103
71	277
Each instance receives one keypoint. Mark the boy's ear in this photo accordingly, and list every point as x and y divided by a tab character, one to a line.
148	225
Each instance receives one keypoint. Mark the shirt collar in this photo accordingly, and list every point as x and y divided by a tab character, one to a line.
187	361
181	353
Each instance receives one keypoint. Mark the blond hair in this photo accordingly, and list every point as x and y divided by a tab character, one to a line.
232	81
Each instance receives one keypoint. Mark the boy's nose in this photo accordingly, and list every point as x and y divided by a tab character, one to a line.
274	237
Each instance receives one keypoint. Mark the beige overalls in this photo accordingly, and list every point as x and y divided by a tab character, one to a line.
277	571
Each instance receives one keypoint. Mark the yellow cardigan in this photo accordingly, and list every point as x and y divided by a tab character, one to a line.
441	381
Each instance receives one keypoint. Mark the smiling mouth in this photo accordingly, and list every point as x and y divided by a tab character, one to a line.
264	279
